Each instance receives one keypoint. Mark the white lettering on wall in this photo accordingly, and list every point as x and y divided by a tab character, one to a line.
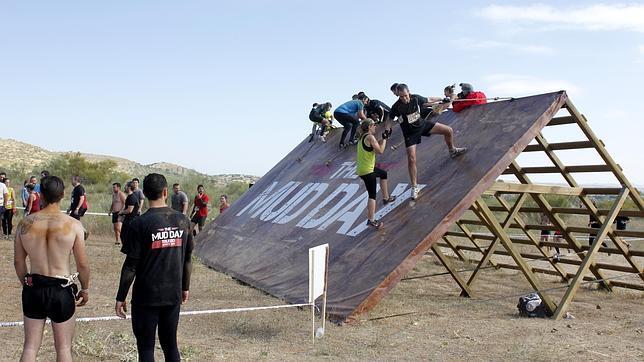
346	170
308	222
311	194
344	204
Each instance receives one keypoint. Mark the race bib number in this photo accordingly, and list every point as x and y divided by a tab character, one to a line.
413	118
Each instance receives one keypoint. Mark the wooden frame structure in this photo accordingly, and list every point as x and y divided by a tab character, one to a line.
501	212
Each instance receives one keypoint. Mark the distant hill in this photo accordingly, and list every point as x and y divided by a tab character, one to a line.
24	156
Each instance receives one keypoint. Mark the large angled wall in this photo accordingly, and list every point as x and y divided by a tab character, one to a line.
305	200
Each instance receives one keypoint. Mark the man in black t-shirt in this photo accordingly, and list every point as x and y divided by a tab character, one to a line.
129	212
78	206
159	262
414	126
377	110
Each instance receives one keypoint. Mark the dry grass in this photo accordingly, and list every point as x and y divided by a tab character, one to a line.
441	326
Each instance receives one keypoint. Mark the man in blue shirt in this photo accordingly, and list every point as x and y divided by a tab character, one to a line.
349	115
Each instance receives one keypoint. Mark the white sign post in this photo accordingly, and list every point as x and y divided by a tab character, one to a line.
318	262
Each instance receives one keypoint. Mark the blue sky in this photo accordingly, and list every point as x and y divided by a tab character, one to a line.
226	88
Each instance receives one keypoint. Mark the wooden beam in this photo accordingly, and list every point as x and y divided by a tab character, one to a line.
585	265
455	249
465	288
490	250
516	255
557	121
574	169
554	218
602	190
472	239
594	231
575	145
536	243
603	153
572	211
507	187
552	244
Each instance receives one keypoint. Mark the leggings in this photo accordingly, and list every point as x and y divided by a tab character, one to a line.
7	221
370	181
145	320
349	122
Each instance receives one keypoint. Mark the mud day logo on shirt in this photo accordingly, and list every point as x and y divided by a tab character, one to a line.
169	237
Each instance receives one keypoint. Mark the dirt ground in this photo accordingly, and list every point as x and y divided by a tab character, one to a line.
433	322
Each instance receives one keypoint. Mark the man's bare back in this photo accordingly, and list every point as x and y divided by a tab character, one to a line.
48	238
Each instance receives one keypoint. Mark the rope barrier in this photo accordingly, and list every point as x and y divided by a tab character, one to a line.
186	313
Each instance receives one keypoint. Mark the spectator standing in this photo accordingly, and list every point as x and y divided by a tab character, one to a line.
159	264
118	203
33	201
48	290
139	194
223	203
199	210
9	209
24	193
4	197
129	212
179	201
78	206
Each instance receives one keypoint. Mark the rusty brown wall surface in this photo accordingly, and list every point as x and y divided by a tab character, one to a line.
304	201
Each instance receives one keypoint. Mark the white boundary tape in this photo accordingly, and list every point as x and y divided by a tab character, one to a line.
186	313
87	213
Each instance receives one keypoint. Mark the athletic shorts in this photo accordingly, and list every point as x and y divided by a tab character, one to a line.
546	232
370	181
115	218
413	134
44	296
199	220
80	214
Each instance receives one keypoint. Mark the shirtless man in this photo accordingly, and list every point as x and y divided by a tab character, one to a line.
47	238
118	203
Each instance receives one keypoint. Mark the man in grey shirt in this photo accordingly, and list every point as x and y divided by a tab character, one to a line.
179	200
139	194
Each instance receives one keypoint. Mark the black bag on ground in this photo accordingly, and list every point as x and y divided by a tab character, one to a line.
532	306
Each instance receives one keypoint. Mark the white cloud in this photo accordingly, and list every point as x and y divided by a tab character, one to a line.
513	85
472	44
592	17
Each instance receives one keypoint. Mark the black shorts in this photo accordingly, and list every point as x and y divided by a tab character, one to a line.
546	232
370	181
116	218
45	297
413	134
80	214
199	220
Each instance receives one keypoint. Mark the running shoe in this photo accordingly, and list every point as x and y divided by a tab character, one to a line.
414	192
353	142
390	199
376	223
457	151
343	146
323	139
